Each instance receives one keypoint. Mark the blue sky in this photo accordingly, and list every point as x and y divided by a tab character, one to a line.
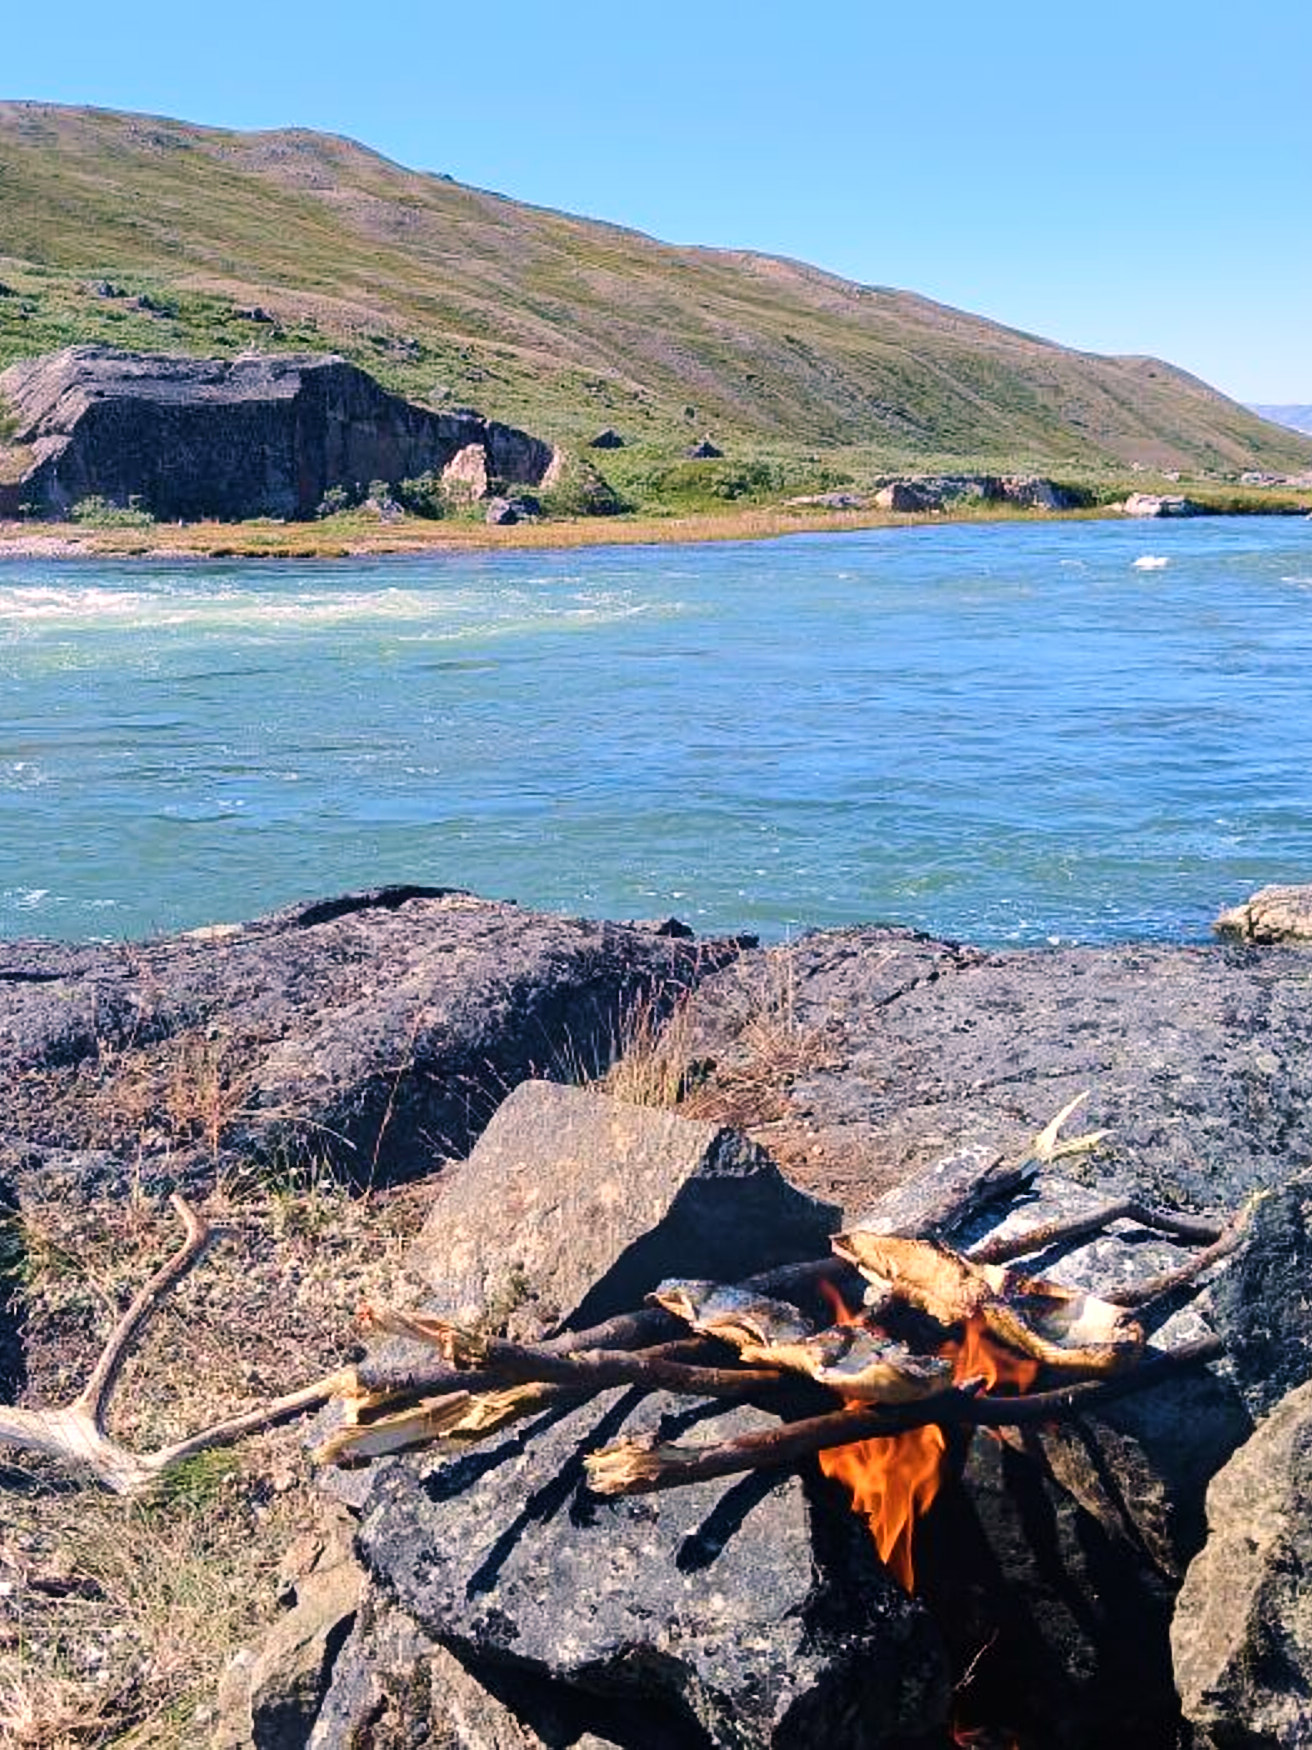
1122	178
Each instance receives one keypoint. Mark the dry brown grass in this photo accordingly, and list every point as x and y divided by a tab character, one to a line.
117	1617
662	1061
346	537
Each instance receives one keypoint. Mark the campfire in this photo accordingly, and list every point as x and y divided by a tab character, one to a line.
867	1360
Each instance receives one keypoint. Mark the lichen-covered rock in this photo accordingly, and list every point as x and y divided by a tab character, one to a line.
745	1612
229	438
1263	1302
1273	914
1198	1059
378	1030
573	1206
1242	1634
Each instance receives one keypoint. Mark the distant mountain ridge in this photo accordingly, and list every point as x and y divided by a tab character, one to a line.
1296	417
153	234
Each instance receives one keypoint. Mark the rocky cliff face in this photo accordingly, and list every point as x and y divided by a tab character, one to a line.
228	438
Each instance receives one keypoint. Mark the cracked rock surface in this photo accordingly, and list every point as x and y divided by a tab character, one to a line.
896	1048
375	1032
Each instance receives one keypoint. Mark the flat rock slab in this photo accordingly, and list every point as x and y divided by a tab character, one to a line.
1242	1632
575	1205
377	1031
901	1048
748	1612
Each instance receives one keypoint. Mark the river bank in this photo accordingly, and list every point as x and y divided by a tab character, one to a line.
360	534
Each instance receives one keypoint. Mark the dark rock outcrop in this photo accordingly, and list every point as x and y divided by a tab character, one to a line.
609	439
379	1030
922	492
1242	1634
228	438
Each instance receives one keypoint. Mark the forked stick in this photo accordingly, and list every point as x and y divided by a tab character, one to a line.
75	1435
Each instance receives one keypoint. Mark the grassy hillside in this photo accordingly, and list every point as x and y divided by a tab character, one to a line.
454	296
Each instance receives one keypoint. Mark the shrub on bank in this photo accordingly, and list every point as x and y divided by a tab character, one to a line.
102	513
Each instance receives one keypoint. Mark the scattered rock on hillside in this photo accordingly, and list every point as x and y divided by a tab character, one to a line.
1242	1634
376	1032
609	439
229	438
1273	914
705	451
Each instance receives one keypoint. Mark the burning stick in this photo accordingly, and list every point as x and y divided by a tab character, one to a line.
642	1466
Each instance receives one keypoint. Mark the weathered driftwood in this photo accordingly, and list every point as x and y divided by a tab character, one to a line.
75	1434
635	1467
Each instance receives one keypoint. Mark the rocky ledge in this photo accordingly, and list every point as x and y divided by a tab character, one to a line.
229	438
1078	1581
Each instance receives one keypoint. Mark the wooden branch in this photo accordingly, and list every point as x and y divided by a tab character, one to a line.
75	1434
635	1467
1194	1229
1143	1294
493	1362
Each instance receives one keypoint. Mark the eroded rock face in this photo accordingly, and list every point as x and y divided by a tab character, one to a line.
228	438
1274	914
1242	1634
379	1030
742	1612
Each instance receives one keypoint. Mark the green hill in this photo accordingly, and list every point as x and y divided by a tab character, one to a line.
155	234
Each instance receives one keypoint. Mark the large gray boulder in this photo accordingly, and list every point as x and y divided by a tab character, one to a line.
1242	1634
748	1612
573	1206
227	438
377	1031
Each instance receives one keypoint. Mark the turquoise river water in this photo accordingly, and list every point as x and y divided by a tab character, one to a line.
1008	732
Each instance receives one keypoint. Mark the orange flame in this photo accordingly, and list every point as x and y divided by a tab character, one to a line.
894	1480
